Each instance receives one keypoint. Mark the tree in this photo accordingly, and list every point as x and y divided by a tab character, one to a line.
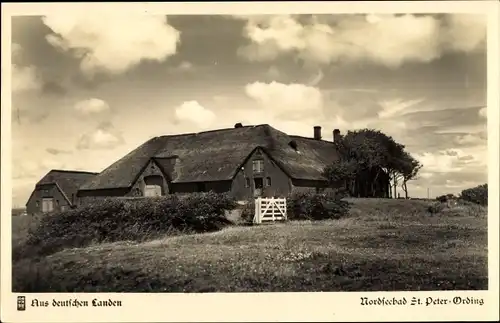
409	171
340	172
478	194
368	151
361	153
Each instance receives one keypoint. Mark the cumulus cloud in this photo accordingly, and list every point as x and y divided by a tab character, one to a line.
92	106
463	32
112	43
472	139
453	160
194	112
105	136
24	78
286	100
390	40
287	105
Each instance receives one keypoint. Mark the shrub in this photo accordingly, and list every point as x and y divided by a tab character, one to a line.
445	198
248	211
442	198
477	195
316	206
116	219
436	207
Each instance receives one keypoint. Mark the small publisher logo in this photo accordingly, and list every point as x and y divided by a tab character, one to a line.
21	303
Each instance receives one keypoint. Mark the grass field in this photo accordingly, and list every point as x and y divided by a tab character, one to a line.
384	245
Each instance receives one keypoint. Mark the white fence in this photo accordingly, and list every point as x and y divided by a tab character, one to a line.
269	209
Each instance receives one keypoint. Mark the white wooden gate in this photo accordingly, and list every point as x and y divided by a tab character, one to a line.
269	209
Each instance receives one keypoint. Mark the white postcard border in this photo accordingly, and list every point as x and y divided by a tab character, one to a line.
157	307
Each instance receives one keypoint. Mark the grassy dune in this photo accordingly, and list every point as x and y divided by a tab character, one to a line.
384	245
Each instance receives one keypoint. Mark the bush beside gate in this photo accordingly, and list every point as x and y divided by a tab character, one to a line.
305	206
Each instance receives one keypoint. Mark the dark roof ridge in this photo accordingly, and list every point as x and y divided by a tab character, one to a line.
72	171
165	157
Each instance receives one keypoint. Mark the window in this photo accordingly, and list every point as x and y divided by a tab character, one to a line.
47	205
247	182
63	208
268	181
37	203
258	166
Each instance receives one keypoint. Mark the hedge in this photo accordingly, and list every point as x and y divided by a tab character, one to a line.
118	219
316	206
307	206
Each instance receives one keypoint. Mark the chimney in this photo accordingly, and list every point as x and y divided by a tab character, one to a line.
317	132
238	125
336	135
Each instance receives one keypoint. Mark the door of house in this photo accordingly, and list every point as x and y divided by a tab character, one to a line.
258	186
47	205
152	190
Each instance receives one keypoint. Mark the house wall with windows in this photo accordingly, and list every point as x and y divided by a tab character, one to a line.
46	198
260	176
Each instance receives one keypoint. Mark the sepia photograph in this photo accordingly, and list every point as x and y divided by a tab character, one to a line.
242	153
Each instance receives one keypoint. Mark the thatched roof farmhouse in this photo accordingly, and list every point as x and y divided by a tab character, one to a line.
246	161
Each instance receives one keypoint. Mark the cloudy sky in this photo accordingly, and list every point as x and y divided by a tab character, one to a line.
87	89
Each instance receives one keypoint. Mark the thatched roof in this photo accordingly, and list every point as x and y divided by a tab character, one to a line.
68	181
217	155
